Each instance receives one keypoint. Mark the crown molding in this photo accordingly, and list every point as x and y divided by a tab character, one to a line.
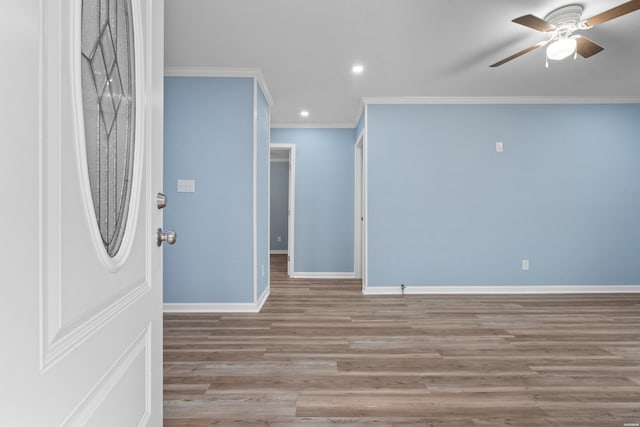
359	113
255	73
313	125
211	72
503	100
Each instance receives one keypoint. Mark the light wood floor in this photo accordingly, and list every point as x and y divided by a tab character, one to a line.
322	354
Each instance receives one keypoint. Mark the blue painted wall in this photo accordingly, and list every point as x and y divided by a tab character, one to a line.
262	127
324	197
446	209
279	205
209	138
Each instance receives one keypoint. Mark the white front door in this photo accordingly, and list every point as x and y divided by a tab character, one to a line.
81	286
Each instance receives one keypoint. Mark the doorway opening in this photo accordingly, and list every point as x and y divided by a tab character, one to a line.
282	202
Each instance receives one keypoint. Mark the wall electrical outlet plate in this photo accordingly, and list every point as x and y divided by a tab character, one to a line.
186	186
499	147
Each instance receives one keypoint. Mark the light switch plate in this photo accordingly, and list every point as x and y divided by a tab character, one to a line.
186	186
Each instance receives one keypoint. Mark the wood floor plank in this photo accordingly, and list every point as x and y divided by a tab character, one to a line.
416	405
323	354
379	383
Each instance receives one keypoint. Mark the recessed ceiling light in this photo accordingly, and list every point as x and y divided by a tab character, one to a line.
304	113
357	69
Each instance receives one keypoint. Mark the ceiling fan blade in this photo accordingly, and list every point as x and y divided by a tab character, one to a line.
535	23
522	52
616	12
586	47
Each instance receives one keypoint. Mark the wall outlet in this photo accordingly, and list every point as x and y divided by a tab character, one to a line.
525	265
499	147
186	186
279	239
262	270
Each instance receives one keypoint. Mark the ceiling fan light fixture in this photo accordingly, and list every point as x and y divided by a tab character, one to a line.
561	49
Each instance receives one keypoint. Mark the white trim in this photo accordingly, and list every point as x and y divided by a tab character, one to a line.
291	220
365	201
256	73
359	114
255	189
265	92
278	251
478	290
263	299
214	307
323	275
268	288
503	100
337	125
358	202
171	71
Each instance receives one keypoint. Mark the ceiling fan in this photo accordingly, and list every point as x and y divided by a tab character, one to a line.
561	25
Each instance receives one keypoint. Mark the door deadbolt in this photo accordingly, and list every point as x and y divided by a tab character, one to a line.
161	200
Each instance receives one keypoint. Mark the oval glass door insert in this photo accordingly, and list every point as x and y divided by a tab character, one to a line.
108	95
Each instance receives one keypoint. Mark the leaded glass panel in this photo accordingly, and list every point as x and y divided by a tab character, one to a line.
109	112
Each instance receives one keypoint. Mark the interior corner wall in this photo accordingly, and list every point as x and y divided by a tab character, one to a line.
446	209
324	198
262	182
279	215
209	139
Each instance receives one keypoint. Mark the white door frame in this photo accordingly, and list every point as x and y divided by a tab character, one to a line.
360	219
291	149
358	208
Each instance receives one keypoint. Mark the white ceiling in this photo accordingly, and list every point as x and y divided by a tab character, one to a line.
435	48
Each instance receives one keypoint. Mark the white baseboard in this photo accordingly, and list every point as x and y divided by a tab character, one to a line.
210	307
525	289
278	252
219	307
263	298
323	275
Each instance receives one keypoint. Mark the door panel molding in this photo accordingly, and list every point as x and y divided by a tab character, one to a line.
59	341
121	369
68	317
